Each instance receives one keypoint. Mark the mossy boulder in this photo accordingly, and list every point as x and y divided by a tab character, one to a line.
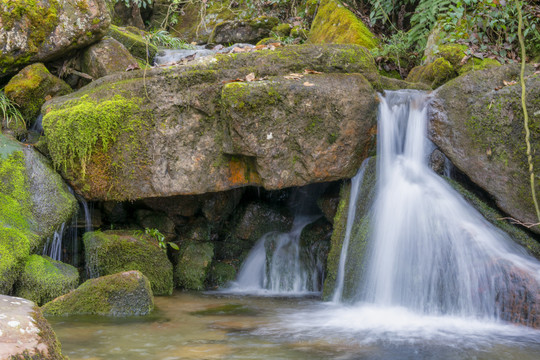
44	30
111	252
34	201
165	132
25	332
220	274
122	294
358	241
239	31
193	264
478	64
433	74
334	23
477	122
134	41
148	219
282	29
31	87
43	279
126	15
106	57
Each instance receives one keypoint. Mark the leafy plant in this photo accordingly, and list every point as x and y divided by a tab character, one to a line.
141	4
395	53
9	112
162	37
159	237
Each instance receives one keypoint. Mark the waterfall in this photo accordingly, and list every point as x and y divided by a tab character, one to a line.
53	247
429	251
278	264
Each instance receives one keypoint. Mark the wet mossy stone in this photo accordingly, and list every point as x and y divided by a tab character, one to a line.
282	29
43	279
34	201
106	57
29	336
193	264
478	64
122	294
31	87
220	274
477	122
355	264
334	23
227	310
498	219
132	38
111	252
434	74
44	30
240	31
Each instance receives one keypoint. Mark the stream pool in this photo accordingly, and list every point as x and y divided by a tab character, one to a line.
191	325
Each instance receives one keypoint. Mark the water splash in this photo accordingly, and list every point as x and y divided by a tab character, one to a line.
53	247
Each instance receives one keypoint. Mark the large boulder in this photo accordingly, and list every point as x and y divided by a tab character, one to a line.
44	30
31	87
133	39
110	252
106	57
193	265
123	294
43	279
34	202
24	332
477	122
238	31
181	131
334	23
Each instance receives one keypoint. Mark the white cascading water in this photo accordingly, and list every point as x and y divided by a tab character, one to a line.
434	268
53	247
275	265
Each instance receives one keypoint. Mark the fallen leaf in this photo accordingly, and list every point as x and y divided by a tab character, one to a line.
307	83
293	76
509	83
306	71
232	80
250	77
260	47
132	67
276	44
237	50
48	97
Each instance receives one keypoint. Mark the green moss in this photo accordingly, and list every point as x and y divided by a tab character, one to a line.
227	310
82	127
478	64
41	16
123	294
15	199
111	252
299	32
220	274
336	24
43	279
15	245
282	29
193	265
433	74
134	42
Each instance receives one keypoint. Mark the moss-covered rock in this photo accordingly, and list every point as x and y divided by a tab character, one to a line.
148	219
478	64
34	201
433	74
220	274
31	87
26	335
132	38
110	252
108	145
354	266
193	264
477	122
106	57
336	24
43	279
126	15
43	30
123	294
242	31
282	29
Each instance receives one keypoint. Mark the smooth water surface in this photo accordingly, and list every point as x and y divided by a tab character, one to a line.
235	327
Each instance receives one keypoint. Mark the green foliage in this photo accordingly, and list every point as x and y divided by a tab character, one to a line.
159	237
10	114
394	51
162	38
141	4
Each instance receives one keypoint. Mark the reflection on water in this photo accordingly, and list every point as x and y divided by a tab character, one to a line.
217	326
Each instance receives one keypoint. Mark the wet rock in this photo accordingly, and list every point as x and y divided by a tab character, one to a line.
40	31
175	206
315	245
239	31
133	39
433	74
156	220
328	202
110	252
199	230
218	206
106	57
24	332
220	274
181	143
34	202
193	264
114	212
336	24
477	122
122	294
31	87
437	161
125	15
43	279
